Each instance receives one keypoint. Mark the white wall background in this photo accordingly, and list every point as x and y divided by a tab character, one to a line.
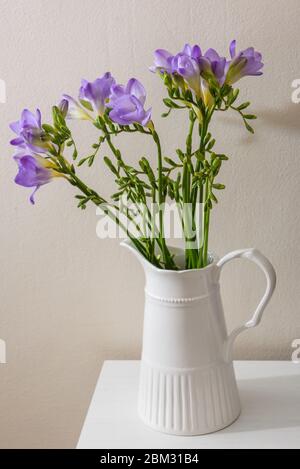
67	298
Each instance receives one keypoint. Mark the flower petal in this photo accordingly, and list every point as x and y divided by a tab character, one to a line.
232	48
135	88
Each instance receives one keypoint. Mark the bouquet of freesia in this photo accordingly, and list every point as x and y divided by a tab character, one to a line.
201	84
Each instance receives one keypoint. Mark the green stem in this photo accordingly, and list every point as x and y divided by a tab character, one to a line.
118	156
189	224
206	224
195	194
100	201
167	258
151	221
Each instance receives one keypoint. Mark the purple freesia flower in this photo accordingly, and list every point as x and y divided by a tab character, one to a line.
94	94
188	67
245	63
34	171
30	133
127	104
162	61
192	51
192	66
213	63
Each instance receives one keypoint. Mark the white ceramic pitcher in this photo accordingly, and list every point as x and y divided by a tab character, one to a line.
187	380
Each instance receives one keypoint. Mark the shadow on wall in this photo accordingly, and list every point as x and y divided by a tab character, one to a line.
287	118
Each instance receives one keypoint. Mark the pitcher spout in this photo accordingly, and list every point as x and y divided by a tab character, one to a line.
128	244
177	253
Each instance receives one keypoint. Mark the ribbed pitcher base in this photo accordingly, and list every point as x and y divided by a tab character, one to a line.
192	401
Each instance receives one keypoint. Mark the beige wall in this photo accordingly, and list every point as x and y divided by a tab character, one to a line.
66	297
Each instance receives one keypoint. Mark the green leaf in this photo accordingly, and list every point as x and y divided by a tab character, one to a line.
171	104
248	127
211	144
208	205
82	203
207	138
234	96
167	79
170	92
75	154
206	164
117	195
226	90
223	157
188	95
171	162
165	114
139	127
249	116
176	92
218	186
110	165
213	197
180	154
91	160
243	106
200	156
48	128
215	166
83	160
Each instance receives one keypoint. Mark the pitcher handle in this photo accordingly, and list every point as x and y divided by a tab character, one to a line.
267	268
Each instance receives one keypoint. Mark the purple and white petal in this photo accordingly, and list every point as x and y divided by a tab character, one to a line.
135	88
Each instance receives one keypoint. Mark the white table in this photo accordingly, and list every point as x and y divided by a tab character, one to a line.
270	395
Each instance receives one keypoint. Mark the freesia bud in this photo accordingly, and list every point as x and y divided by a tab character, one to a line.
63	106
75	110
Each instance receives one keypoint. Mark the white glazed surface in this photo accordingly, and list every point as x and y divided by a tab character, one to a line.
187	382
